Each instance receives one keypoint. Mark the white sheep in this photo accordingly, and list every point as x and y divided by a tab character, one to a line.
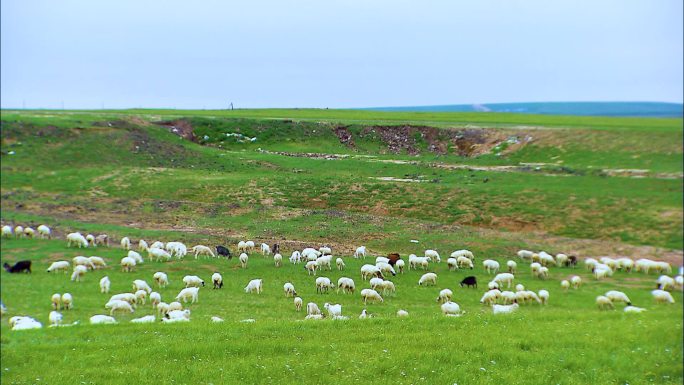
163	308
561	259
289	290
90	238
118	305
452	264
102	319
278	259
625	264
662	296
325	250
19	231
97	262
175	305
215	319
67	301
254	285
155	299
375	283
78	273
491	266
202	250
158	254
463	253
295	257
381	260
490	297
604	303
333	310
128	297
193	281
368	271
311	267
55	318
633	309
565	285
493	285
386	268
161	279
298	302
127	264
364	314
189	293
504	309
508	297
401	313
372	295
445	295
546	259
157	245
242	246
346	284
400	264
82	261
519	287
102	240
388	287
590	263
56	301
249	245
340	264
140	284
451	309
543	272
664	282
43	231
243	260
360	252
602	271
179	250
525	254
29	232
576	282
465	262
324	261
217	280
148	319
428	278
140	297
618	296
265	249
323	284
105	284
125	243
512	266
506	278
135	255
679	282
312	309
76	239
534	268
174	316
7	231
433	254
142	245
544	297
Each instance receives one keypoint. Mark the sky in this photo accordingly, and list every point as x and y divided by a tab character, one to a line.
337	54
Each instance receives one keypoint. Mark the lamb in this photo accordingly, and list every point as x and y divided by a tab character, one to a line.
243	260
512	266
464	262
618	296
662	296
217	280
340	264
76	239
633	309
155	299
254	285
135	255
139	284
333	310
298	302
193	281
451	309
312	309
445	295
125	243
370	294
432	254
7	231
311	267
78	273
565	285
158	254
491	266
202	250
576	282
504	309
161	279
401	313
506	278
664	282
148	319
97	262
44	232
604	303
546	259
101	319
118	305
490	297
544	297
289	290
127	264
265	249
428	278
360	252
105	284
452	264
346	284
400	264
323	284
191	293
56	300
102	240
55	318
278	259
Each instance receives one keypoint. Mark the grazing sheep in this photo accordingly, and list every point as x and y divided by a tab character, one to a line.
162	308
101	319
148	319
602	271
105	284
191	293
127	264
325	250
590	263
679	282
451	309
506	278
333	310
311	267
561	259
490	297
401	313
158	254
508	297
128	297
254	285
125	243
428	278
202	250
295	257
155	299
76	239
364	314
56	300
243	260
157	245
381	260
161	279
633	309
278	260
519	287
386	268
90	238
432	254
135	255
504	309
576	282
543	272
323	284
29	232
298	302
493	285
535	267
193	281
118	305
375	283
525	254
215	319
491	266
340	264
360	252
604	303
452	264
469	281
43	231
55	318
512	266
139	284
346	284
217	280
289	290
97	262
664	282
312	309
242	246
565	285
463	253
544	297
19	231
662	296
370	294
140	297
82	261
19	267
618	296
368	271
625	264
175	306
464	262
142	245
265	249
102	240
388	287
445	295
610	262
78	273
7	231
546	259
324	261
400	264
249	245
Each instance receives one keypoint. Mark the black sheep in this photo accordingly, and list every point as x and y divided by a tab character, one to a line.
19	267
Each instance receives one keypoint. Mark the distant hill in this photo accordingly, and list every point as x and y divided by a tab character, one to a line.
644	109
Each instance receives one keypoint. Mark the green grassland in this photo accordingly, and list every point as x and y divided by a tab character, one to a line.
564	190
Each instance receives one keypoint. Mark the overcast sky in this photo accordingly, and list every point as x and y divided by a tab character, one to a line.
347	53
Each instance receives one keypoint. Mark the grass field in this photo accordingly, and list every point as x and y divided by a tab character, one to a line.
584	186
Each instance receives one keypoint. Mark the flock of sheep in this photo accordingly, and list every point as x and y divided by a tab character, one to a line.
497	296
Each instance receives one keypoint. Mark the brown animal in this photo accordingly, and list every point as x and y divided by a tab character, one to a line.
393	258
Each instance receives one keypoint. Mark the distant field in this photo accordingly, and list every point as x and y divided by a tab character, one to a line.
489	182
